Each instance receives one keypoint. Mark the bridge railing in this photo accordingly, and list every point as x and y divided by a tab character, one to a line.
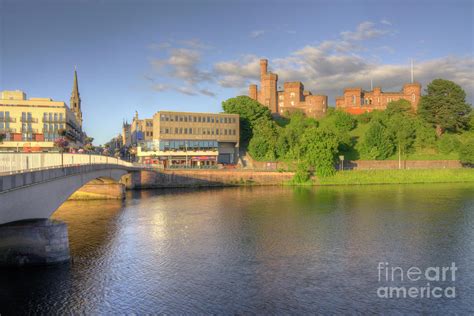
22	162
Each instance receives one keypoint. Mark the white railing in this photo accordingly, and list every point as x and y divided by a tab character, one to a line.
21	162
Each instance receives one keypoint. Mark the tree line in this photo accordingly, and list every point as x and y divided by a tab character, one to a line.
315	145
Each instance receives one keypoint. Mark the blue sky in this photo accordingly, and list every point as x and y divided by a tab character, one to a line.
192	55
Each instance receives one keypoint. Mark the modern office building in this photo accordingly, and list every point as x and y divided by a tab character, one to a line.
192	139
33	124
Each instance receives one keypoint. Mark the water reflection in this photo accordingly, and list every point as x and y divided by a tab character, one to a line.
255	249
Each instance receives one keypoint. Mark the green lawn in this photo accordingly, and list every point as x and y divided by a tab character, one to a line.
398	176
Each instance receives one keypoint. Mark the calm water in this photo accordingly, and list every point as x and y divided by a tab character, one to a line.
244	250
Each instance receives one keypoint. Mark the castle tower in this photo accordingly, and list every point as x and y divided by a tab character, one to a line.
412	92
75	102
268	83
263	68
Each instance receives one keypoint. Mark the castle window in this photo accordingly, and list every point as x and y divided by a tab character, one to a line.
353	99
292	94
413	97
281	103
292	102
280	97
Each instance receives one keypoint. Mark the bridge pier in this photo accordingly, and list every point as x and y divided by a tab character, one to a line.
33	242
100	189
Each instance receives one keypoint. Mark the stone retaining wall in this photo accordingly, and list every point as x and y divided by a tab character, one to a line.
203	178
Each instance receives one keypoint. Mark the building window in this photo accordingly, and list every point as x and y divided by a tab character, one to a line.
353	99
292	95
292	102
413	97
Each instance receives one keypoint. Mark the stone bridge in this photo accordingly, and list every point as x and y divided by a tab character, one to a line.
32	187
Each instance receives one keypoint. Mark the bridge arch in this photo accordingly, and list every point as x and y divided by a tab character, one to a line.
40	199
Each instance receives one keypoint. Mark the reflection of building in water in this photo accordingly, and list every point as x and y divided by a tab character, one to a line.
191	139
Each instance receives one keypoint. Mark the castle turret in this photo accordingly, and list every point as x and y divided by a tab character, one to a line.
263	67
253	91
412	92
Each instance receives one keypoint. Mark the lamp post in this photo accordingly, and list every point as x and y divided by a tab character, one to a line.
341	158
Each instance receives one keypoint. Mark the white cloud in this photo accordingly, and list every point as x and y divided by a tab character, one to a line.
365	30
324	68
385	21
256	33
183	65
332	65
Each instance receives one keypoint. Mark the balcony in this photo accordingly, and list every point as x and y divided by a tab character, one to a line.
29	130
8	119
7	130
29	120
52	120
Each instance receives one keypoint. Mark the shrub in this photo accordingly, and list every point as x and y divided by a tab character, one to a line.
302	174
448	143
466	152
378	143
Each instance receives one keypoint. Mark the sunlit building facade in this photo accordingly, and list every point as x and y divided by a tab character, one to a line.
192	139
33	124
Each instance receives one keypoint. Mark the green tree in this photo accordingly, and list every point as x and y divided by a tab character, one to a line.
290	136
263	144
344	121
425	134
378	143
445	106
399	107
249	110
2	137
466	152
319	147
448	143
402	128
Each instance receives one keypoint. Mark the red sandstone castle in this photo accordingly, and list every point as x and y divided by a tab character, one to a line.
357	101
292	98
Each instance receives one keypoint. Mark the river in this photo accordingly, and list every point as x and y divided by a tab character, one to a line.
254	250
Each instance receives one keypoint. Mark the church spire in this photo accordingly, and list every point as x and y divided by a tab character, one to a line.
76	99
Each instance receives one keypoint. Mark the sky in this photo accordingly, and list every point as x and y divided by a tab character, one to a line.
179	55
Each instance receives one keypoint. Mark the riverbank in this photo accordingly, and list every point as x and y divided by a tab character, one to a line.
403	176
